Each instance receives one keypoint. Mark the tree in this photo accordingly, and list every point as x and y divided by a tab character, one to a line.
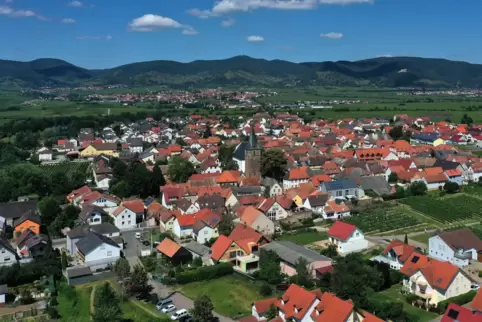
353	279
405	240
451	187
271	313
121	189
396	133
226	153
49	209
466	120
303	275
122	270
106	305
203	310
158	178
181	142
179	169
331	251
139	282
269	267
265	290
226	225
418	188
119	170
63	260
393	177
207	132
273	164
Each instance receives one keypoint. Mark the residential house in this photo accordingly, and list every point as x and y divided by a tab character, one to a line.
273	210
183	226
457	313
240	248
96	198
272	186
343	189
459	247
316	203
206	226
97	251
166	220
45	154
3	295
289	254
433	281
96	149
454	176
255	219
199	250
347	238
30	220
76	195
176	253
8	255
92	215
30	245
295	177
377	184
335	209
395	254
124	218
187	207
79	232
213	202
11	211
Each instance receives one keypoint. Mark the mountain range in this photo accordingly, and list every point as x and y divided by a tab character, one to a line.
248	71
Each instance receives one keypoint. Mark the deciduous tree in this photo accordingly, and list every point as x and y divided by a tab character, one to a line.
180	169
203	310
273	164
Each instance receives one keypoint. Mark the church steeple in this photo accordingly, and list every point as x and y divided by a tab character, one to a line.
253	140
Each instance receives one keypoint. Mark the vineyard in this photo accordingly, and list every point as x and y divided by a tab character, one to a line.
383	219
67	168
457	208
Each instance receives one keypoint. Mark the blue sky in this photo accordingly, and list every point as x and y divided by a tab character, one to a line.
107	33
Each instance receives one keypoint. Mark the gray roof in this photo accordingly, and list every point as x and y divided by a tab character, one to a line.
318	200
3	289
376	183
78	271
240	151
17	209
90	209
290	252
246	190
82	231
93	240
268	182
29	215
6	244
197	248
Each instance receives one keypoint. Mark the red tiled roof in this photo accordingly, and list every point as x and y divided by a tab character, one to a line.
229	176
341	230
136	205
220	246
299	173
477	301
464	314
332	309
402	250
186	220
168	247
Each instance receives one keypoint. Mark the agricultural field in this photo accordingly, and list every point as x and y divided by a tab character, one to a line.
66	167
304	237
380	220
447	210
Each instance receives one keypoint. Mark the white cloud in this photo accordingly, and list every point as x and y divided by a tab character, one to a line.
8	1
203	14
100	37
228	23
385	56
189	31
150	22
23	13
68	20
332	35
6	10
255	38
76	4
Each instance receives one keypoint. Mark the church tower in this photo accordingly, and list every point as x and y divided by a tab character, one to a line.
253	156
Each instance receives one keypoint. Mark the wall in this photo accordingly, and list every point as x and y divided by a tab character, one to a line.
129	220
6	254
102	256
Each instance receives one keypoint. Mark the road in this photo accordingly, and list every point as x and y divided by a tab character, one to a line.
382	240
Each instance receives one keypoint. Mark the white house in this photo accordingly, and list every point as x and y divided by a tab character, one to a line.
434	281
395	254
273	187
97	251
316	203
296	177
203	232
335	209
8	255
458	247
124	218
106	229
273	210
347	238
183	226
45	154
3	294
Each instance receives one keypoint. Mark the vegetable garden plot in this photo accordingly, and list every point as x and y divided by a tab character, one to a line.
382	220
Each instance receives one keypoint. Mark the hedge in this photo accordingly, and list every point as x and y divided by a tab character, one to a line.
205	273
460	300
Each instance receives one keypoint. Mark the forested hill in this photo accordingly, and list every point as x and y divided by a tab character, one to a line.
244	70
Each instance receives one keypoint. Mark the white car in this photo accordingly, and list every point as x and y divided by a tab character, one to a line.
168	308
138	235
474	287
179	314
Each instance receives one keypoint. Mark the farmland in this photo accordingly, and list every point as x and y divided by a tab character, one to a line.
66	168
379	220
446	210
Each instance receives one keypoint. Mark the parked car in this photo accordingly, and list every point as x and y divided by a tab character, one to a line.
138	235
474	286
168	308
143	297
187	318
162	303
179	314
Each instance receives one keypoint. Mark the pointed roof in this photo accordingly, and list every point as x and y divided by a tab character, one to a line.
253	140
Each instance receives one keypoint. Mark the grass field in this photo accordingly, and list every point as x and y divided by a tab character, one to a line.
304	237
231	295
393	293
71	310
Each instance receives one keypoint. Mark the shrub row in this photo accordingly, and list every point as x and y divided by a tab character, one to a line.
205	273
460	300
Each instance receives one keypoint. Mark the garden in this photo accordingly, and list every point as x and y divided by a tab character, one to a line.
446	210
304	236
379	220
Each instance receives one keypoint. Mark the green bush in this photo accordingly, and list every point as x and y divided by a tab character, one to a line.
205	273
265	290
460	300
480	273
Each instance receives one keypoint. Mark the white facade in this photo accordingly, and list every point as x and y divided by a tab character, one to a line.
181	232
104	203
275	190
103	184
438	249
288	184
45	156
102	256
7	258
125	219
205	234
355	243
276	212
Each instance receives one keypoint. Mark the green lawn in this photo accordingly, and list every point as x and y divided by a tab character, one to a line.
305	237
74	310
422	238
231	295
393	293
137	314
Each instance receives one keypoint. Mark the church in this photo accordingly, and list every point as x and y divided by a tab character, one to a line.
248	156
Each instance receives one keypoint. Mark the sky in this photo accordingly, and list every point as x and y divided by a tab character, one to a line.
108	33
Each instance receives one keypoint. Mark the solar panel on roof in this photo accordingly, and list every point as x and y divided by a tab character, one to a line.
453	314
415	259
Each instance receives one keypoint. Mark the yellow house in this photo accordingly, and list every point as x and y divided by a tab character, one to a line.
438	142
96	149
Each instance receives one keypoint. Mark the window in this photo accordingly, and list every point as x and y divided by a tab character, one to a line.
109	253
338	193
6	259
3	251
206	232
123	217
102	246
129	222
123	223
232	254
347	192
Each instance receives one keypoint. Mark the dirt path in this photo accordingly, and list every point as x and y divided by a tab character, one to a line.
145	309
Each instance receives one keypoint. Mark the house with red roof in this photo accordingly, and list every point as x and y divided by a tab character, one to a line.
124	217
257	220
457	313
347	238
395	254
295	177
76	195
206	225
241	248
176	254
434	281
272	209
